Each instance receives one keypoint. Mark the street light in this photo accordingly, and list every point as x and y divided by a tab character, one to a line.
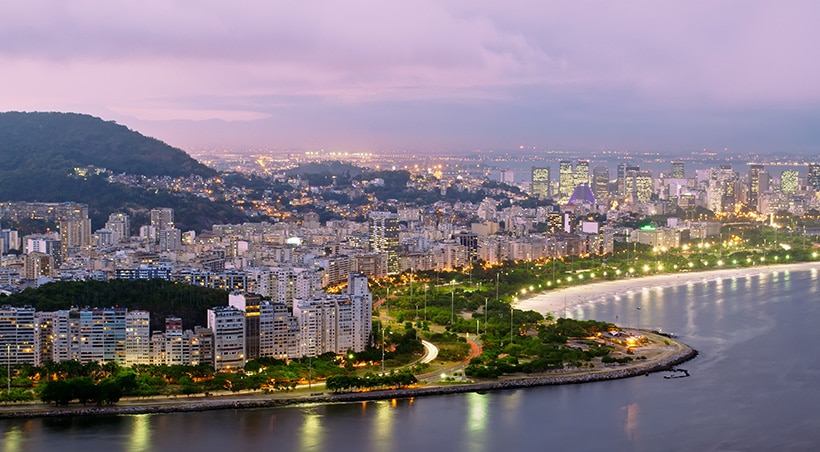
382	350
425	302
511	322
452	302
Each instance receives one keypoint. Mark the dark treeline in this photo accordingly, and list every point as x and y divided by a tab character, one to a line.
161	298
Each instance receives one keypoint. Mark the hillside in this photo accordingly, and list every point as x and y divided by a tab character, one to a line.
40	151
81	140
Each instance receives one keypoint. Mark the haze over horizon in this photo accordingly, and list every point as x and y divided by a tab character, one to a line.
365	75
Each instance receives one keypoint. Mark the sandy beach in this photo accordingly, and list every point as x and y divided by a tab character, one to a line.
564	300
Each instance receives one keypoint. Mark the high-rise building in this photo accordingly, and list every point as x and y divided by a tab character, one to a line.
75	235
384	238
137	337
789	182
162	218
362	299
228	326
37	264
813	176
278	331
677	170
621	178
643	185
566	180
10	239
600	183
17	335
726	179
120	226
581	173
753	190
102	335
249	303
170	239
541	182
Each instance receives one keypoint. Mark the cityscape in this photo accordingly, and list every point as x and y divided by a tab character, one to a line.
579	210
448	226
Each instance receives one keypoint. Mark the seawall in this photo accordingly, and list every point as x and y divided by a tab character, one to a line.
684	354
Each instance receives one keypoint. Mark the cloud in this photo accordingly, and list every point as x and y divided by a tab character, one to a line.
485	61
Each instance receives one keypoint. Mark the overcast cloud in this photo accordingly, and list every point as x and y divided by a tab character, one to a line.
421	75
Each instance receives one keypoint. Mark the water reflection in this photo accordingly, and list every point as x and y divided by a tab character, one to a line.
382	428
477	420
140	433
13	439
311	435
631	426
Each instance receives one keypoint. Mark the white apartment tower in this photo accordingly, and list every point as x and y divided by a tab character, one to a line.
228	326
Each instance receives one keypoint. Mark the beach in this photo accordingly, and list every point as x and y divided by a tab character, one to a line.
562	301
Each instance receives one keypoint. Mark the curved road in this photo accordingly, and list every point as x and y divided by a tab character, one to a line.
430	352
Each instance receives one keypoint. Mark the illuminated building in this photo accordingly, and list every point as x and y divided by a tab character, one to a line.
813	178
600	183
753	194
228	326
137	337
541	182
120	225
789	182
249	303
677	170
102	335
17	335
384	238
566	180
581	173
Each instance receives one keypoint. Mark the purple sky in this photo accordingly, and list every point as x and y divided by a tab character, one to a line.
426	75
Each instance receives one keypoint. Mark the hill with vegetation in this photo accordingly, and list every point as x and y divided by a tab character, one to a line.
40	152
71	140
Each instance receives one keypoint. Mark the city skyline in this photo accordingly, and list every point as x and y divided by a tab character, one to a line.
365	76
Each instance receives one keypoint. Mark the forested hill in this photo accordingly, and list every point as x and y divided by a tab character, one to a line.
68	140
39	152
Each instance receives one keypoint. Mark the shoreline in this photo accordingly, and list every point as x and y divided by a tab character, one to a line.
682	354
554	302
566	299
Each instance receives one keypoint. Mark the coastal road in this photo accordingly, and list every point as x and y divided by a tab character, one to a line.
475	350
430	352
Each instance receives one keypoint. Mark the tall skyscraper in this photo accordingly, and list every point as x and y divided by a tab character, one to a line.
643	185
600	183
581	173
789	182
566	180
384	238
677	170
813	178
753	194
541	182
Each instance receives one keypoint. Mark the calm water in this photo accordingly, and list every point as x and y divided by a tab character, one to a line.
754	387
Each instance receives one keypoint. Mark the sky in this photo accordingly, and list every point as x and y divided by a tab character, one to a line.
733	76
